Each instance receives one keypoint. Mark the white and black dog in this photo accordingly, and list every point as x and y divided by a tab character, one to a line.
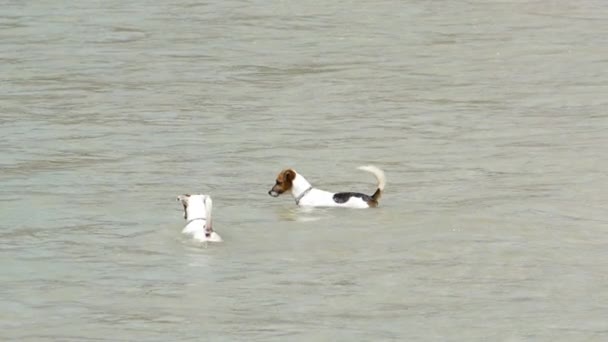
197	212
307	196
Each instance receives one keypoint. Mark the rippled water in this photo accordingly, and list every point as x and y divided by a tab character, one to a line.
489	119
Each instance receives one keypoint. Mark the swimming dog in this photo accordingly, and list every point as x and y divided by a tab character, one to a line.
197	213
307	196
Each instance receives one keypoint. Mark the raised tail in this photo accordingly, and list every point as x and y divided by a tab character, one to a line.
379	174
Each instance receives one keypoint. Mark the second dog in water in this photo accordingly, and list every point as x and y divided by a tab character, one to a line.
197	212
307	196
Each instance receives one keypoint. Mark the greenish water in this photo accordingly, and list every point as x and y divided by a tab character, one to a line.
489	119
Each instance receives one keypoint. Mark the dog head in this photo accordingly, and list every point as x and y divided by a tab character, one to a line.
283	183
183	199
197	207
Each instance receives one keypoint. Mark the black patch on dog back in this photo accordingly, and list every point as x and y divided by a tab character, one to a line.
343	197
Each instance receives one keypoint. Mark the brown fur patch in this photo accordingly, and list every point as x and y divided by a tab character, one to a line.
372	203
375	198
284	181
185	204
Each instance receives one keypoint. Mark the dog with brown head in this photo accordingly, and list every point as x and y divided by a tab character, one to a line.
305	195
284	182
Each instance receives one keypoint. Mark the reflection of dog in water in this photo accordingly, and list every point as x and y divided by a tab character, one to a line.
197	212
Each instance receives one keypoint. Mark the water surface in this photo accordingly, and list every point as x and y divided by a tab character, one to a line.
489	119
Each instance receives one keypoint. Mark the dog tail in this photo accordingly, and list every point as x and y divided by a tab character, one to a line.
379	174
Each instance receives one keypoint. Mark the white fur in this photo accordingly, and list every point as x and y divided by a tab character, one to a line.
320	198
198	216
379	174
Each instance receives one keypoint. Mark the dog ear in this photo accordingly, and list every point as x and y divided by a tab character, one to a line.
290	175
183	197
184	201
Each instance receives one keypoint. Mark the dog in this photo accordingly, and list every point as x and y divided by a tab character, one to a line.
307	196
197	213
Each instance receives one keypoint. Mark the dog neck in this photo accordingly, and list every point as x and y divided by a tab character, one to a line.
300	187
196	219
302	195
206	225
196	212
